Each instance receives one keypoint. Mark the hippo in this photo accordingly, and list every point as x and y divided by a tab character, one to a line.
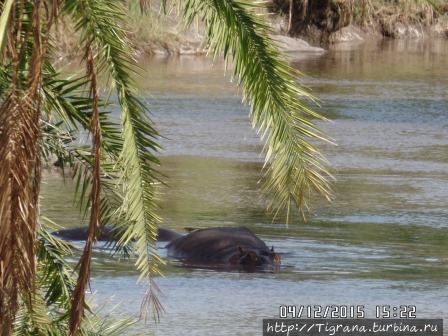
80	233
108	234
222	245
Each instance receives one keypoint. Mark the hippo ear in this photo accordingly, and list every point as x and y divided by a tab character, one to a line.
240	249
272	248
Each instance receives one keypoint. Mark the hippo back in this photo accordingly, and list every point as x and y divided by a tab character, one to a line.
80	233
214	244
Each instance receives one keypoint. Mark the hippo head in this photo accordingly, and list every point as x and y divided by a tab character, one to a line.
258	257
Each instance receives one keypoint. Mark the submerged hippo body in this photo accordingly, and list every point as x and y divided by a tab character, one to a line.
232	246
80	233
235	246
108	234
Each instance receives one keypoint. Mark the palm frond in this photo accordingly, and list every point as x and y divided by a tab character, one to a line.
296	169
32	323
67	125
54	284
100	25
77	309
108	322
55	275
19	171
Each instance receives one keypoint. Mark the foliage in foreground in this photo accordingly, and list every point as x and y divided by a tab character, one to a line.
43	115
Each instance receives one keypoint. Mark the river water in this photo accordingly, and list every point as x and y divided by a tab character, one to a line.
382	241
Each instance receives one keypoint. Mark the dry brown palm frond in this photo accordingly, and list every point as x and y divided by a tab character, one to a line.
8	283
78	302
20	173
19	153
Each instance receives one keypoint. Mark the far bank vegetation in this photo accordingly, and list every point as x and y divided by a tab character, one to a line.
314	20
322	18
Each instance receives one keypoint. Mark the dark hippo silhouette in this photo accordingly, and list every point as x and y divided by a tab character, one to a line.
108	234
234	246
80	233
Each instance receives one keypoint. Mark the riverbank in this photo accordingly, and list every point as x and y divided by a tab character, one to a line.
154	33
320	23
329	21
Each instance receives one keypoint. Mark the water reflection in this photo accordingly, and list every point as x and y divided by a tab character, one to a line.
401	62
207	190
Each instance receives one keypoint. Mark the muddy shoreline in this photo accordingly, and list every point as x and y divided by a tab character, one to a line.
191	42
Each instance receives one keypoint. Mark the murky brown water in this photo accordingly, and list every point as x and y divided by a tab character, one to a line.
383	240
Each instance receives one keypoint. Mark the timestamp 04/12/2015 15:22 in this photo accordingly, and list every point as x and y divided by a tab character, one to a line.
347	311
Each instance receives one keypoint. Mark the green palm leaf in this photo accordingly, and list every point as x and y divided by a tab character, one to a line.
139	179
295	168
